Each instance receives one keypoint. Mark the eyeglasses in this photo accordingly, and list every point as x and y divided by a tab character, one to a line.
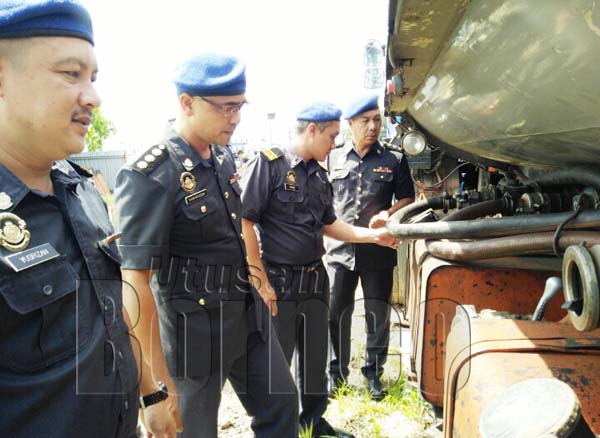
227	109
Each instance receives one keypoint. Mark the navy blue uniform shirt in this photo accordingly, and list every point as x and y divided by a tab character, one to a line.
66	364
290	201
362	187
180	216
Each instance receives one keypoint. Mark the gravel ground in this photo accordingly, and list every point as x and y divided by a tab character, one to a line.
234	423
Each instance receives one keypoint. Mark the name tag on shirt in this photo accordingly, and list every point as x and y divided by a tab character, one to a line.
291	187
32	257
195	196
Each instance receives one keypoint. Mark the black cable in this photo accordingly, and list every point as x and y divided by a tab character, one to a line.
446	177
559	230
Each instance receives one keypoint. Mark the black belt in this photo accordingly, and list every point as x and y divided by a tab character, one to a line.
310	267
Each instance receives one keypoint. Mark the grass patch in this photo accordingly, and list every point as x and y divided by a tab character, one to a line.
402	412
405	397
306	432
401	397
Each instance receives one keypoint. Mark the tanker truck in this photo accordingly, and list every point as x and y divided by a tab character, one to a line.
496	103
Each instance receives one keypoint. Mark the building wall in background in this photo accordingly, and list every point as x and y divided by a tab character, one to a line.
107	163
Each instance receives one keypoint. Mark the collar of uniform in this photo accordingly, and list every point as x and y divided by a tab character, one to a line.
312	166
292	156
63	172
348	147
375	149
295	161
187	155
12	187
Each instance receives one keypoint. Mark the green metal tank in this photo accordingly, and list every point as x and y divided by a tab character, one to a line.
504	81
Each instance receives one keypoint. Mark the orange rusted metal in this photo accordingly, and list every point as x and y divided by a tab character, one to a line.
436	287
484	357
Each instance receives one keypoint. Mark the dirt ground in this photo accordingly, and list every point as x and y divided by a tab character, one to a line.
234	423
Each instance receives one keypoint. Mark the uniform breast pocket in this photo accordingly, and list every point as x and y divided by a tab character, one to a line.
202	218
381	182
338	178
40	322
291	202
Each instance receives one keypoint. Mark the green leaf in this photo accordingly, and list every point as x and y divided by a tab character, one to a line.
99	131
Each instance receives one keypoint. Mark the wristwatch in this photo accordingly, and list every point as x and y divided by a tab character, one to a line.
155	397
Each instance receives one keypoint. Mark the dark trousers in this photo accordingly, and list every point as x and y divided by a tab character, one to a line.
261	379
301	325
377	290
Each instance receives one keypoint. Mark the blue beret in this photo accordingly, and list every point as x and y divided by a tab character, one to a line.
211	74
360	105
319	112
30	18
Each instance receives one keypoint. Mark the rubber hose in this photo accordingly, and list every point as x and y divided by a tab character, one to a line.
585	176
534	243
414	208
475	211
493	227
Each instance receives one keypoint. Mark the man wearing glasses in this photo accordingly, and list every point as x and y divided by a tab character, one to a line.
179	209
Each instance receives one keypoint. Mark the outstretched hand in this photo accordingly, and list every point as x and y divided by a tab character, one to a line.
379	220
384	238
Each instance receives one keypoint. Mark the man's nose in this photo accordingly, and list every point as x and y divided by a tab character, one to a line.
89	96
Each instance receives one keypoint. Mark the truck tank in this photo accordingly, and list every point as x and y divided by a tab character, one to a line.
501	272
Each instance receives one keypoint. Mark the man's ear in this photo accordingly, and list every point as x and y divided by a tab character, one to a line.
186	103
312	128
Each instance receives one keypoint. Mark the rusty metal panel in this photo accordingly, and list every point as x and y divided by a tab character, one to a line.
420	31
498	353
441	287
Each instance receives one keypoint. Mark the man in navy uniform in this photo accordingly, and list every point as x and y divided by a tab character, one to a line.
67	368
178	207
369	183
288	198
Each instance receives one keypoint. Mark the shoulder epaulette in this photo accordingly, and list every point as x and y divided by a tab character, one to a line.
272	153
150	159
80	169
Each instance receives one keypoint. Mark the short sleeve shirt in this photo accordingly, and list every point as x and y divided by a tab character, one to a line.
66	363
290	200
362	187
181	216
